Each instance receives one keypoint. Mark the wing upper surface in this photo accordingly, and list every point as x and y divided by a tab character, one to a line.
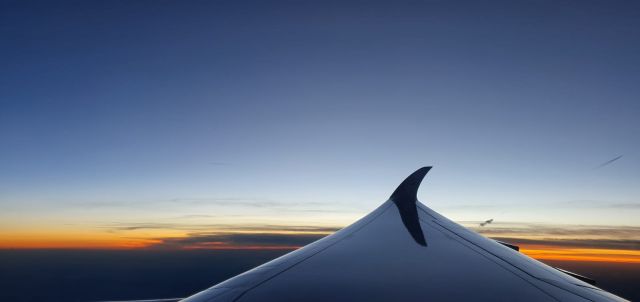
399	253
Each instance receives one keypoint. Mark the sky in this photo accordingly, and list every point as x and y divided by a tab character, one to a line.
199	124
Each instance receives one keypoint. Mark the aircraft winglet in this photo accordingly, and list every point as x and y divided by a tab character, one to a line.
407	191
405	198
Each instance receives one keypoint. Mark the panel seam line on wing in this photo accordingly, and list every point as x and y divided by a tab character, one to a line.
498	257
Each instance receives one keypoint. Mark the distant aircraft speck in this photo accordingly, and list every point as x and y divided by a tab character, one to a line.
486	222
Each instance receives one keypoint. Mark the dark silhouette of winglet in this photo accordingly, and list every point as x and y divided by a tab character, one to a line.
405	198
407	191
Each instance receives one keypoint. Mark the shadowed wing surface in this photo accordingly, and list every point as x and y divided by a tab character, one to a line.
404	251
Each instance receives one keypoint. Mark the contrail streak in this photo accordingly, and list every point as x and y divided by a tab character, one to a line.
607	162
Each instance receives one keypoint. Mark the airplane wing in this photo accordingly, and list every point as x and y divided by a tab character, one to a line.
404	251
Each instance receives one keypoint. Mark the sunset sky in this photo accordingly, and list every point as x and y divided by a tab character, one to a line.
262	125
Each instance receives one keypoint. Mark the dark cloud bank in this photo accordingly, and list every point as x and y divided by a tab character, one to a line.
95	275
177	267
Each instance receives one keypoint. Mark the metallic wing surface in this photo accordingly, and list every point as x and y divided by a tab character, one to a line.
404	251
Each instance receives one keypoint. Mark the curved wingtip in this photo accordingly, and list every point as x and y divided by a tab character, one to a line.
405	198
407	191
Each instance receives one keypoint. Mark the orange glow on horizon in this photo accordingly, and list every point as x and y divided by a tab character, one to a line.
170	240
539	252
545	252
76	243
134	240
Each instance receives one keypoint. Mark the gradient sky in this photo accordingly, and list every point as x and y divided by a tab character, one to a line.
133	120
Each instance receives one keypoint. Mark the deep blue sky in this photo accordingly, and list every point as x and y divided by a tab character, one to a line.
143	109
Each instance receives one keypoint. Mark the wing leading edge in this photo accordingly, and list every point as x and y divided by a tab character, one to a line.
404	251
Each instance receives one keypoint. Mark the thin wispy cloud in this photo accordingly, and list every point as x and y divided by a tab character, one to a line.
220	227
217	201
630	205
597	204
545	229
194	216
236	241
618	237
569	242
218	236
621	244
222	202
